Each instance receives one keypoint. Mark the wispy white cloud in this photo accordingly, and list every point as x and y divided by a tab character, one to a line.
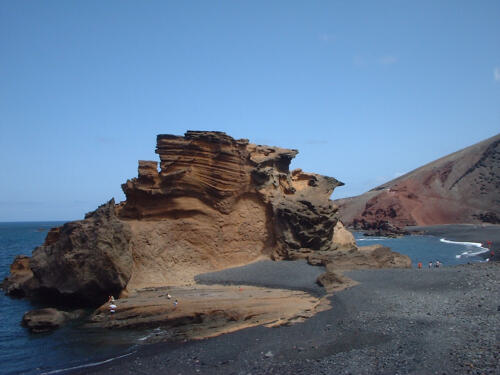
496	74
327	38
387	60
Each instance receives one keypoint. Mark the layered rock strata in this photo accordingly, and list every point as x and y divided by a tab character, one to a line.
212	202
217	202
205	311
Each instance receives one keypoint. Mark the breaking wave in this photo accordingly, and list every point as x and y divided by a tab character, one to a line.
473	248
88	364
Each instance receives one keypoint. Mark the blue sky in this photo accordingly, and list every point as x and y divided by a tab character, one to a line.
366	90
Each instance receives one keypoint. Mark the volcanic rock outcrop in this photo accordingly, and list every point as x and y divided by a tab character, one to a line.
215	202
462	187
80	263
48	319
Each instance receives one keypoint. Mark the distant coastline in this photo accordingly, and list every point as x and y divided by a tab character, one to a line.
464	232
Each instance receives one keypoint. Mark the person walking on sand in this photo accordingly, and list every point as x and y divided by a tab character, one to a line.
112	306
175	303
438	264
419	265
430	264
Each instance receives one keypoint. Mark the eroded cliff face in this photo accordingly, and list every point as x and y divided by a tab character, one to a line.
217	202
80	263
214	202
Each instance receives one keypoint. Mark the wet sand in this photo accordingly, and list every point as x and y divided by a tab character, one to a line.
395	321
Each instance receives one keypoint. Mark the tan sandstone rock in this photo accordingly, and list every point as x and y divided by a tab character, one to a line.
342	238
213	202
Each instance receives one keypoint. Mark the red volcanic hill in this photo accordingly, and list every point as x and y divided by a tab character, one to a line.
463	187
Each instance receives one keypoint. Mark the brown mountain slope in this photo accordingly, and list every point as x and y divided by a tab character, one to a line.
463	187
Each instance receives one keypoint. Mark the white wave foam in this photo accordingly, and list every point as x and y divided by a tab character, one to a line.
88	364
155	332
469	253
475	244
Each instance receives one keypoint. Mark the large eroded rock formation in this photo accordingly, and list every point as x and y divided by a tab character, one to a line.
215	202
80	263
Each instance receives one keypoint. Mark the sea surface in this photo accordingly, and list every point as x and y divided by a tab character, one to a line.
426	249
73	346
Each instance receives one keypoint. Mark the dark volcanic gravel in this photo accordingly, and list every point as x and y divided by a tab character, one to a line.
297	275
432	321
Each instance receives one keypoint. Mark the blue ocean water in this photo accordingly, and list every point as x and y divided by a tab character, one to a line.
427	249
25	353
71	346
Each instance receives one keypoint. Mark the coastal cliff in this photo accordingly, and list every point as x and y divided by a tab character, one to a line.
461	187
213	202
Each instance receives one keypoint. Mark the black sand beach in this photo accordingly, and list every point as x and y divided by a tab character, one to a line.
296	275
431	321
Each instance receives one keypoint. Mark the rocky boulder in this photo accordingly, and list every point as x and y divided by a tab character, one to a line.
333	280
48	319
365	257
342	238
378	228
83	262
20	281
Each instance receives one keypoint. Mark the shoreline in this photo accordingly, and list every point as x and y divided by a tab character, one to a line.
347	336
479	233
406	321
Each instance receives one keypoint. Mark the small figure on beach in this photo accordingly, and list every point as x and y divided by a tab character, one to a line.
169	296
419	265
430	264
438	264
175	303
112	306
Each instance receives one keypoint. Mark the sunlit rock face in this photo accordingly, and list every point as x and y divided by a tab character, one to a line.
211	202
243	192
